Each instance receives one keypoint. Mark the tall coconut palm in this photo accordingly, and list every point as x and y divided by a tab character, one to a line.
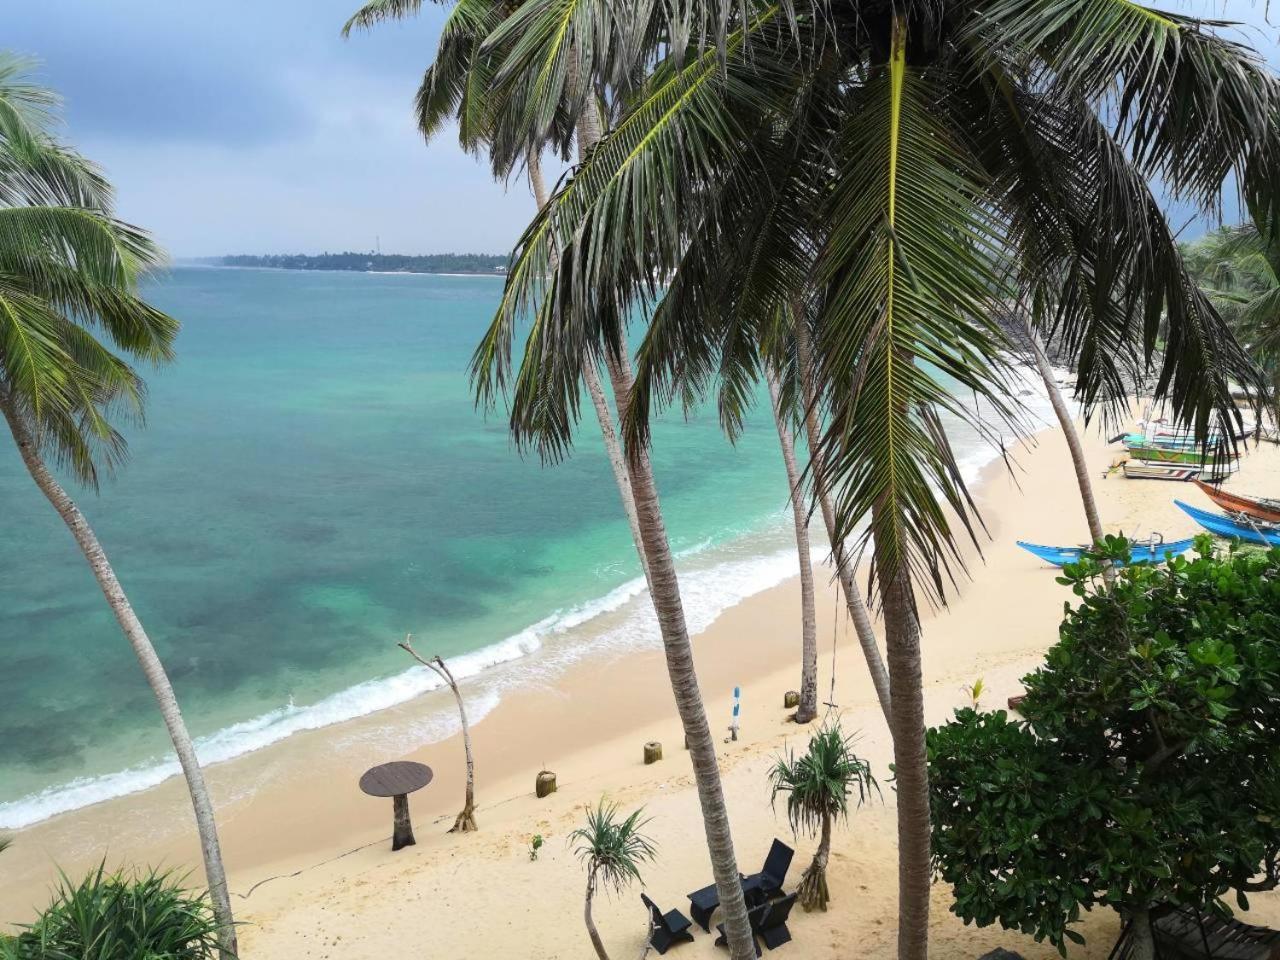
818	787
902	168
807	709
521	95
68	269
612	850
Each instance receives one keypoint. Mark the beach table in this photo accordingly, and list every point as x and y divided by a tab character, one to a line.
704	902
397	780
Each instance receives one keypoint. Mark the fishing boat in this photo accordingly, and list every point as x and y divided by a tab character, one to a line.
1240	525
1260	508
1142	470
1195	456
1153	550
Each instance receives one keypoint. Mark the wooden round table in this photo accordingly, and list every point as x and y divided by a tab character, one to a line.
397	780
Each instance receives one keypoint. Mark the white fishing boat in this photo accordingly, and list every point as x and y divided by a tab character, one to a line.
1146	470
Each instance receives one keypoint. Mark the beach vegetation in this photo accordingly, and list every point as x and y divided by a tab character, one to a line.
465	822
897	173
613	848
536	843
518	81
1146	773
119	916
71	324
1239	269
819	787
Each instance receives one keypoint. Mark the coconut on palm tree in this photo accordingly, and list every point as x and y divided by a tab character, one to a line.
900	170
612	848
71	320
819	786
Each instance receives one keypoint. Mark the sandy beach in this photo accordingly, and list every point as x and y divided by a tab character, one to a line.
313	875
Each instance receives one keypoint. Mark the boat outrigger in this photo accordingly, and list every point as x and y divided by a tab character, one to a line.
1152	550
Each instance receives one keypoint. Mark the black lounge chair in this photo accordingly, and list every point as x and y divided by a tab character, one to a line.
755	916
772	927
668	928
769	880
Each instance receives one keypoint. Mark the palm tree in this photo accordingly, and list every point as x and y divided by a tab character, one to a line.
901	169
613	851
458	85
517	97
68	268
1238	267
808	707
818	786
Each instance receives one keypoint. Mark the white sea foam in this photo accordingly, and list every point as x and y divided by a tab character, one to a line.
708	590
712	579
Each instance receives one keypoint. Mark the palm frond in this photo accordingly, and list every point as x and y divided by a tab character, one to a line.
580	267
820	784
378	11
911	273
613	849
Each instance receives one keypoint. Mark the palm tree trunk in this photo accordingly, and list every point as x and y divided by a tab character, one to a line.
664	591
844	570
152	669
808	708
1068	425
592	932
911	773
612	446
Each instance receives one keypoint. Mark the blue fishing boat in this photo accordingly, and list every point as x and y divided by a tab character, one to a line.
1247	529
1140	551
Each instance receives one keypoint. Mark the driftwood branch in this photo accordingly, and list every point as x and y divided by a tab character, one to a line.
466	820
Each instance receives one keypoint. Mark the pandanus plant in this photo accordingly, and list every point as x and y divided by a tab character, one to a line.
71	320
897	170
819	787
612	848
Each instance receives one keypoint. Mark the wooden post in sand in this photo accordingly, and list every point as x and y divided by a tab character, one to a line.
397	780
545	785
652	752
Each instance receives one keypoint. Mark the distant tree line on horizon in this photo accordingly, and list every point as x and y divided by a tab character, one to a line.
391	262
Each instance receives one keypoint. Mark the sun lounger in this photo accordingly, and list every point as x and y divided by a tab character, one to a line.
668	928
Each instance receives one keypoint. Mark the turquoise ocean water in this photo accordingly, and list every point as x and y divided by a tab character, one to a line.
313	483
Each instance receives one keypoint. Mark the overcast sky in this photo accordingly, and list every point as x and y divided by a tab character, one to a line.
253	127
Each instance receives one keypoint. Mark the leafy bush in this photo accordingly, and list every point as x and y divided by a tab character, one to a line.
1147	770
119	917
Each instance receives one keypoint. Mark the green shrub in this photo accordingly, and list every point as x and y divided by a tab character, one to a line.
121	916
1147	769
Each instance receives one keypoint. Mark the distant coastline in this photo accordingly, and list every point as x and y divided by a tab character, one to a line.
483	264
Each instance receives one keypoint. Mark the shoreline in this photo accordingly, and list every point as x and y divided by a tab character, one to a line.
758	558
291	811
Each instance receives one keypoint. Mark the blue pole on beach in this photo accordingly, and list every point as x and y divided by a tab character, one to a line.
737	711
